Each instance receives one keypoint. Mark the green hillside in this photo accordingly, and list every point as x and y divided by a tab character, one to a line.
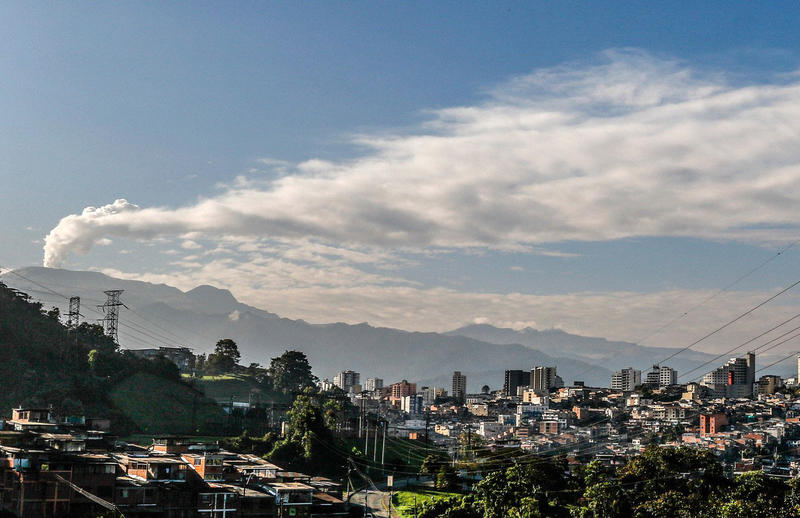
81	372
237	387
158	405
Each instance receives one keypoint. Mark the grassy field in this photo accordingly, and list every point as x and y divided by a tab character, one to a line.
403	501
156	405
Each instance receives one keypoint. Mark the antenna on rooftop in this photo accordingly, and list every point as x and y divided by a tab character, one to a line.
111	312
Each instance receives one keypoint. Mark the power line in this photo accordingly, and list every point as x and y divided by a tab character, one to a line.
731	322
178	340
149	333
729	351
720	291
794	353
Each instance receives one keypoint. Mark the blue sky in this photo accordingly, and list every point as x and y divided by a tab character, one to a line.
594	167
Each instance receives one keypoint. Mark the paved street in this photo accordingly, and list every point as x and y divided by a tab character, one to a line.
375	502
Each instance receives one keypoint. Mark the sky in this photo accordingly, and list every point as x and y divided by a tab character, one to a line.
627	170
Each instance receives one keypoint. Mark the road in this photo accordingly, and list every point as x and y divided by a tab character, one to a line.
375	502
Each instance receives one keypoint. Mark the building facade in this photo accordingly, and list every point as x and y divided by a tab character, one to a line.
515	379
402	389
735	379
459	386
626	379
346	380
661	376
373	384
543	378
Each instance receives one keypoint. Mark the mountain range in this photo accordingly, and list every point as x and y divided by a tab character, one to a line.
161	315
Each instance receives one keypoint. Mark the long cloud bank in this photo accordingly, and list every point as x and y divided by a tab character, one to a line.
631	145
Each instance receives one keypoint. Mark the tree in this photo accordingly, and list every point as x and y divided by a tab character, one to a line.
200	363
291	372
304	444
224	358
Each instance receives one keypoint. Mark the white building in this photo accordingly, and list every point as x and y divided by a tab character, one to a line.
346	379
626	379
373	384
536	397
412	405
661	376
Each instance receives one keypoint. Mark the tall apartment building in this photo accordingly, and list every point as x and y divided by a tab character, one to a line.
735	379
459	386
515	379
402	389
373	384
626	379
662	376
346	380
413	405
543	378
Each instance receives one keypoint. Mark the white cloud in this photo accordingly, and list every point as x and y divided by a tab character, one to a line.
630	146
188	244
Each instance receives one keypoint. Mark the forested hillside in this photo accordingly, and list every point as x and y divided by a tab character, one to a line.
75	371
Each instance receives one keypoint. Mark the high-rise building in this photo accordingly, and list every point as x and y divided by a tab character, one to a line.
459	387
626	379
735	379
345	380
515	379
413	404
662	376
373	384
543	378
402	389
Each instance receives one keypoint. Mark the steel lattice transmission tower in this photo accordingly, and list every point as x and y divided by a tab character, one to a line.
74	312
111	312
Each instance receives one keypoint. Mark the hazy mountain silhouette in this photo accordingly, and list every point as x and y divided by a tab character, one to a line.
158	314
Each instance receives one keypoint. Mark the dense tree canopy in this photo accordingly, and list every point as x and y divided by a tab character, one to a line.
224	358
660	483
291	373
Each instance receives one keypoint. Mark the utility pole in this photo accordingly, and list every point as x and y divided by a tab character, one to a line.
383	448
427	422
469	441
111	312
366	441
375	446
361	416
74	312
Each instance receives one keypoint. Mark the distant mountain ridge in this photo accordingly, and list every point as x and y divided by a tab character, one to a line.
164	315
